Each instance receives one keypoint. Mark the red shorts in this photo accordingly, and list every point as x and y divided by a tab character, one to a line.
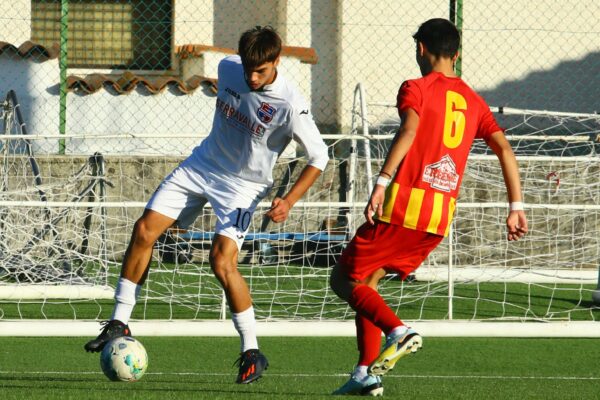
391	247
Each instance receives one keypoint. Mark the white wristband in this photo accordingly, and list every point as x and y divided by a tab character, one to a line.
383	181
516	206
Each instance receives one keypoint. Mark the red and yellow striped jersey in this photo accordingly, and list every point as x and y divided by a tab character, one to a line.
422	195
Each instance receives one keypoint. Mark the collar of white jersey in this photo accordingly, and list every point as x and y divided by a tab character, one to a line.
276	84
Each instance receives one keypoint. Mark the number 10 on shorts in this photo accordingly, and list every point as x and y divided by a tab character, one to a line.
242	219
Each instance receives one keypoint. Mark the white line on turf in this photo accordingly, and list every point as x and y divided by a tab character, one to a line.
499	377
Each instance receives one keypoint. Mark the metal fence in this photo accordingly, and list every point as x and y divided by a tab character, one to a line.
135	80
147	67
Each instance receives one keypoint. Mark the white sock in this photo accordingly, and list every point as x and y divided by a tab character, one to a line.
126	294
245	324
360	372
398	331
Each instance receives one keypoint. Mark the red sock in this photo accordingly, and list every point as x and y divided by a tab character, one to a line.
368	340
369	304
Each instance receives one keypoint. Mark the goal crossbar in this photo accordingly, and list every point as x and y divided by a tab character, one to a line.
219	328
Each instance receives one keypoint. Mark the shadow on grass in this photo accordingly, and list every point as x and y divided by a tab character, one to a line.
48	378
178	386
585	304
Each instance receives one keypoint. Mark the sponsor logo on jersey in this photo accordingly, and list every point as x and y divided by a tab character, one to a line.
232	92
265	112
442	175
240	120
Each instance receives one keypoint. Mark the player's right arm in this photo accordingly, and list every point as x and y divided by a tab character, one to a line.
400	145
516	222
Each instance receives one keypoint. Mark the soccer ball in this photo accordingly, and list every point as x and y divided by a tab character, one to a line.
124	359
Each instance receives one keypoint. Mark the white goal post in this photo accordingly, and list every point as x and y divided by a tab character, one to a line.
63	250
573	329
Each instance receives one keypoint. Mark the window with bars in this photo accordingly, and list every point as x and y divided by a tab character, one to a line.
116	34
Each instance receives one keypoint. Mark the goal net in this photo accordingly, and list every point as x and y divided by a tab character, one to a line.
48	251
65	221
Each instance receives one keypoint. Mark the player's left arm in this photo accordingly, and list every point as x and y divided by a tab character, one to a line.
304	132
281	206
516	221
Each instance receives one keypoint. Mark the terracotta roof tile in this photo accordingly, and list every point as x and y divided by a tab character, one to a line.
127	82
32	50
306	55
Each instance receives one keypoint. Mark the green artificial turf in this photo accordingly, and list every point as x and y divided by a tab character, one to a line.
305	368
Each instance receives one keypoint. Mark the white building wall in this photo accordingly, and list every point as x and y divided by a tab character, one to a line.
194	21
15	21
376	47
502	43
139	114
540	54
298	33
106	113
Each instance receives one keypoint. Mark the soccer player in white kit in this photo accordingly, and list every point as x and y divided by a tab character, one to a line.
258	112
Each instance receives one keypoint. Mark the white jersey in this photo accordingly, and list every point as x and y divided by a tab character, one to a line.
252	128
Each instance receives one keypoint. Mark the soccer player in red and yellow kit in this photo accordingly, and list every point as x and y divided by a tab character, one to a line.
412	204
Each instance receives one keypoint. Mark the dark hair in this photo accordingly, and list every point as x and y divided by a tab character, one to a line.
258	46
440	37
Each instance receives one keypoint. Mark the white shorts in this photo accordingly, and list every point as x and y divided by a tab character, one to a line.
183	194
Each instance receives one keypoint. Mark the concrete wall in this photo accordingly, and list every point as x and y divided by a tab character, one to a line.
557	239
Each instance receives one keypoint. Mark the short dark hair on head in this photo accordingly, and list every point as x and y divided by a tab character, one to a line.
440	37
258	46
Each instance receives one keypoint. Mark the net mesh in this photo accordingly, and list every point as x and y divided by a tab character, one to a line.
79	233
135	80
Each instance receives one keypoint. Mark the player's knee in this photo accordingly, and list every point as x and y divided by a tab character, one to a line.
143	235
222	267
224	273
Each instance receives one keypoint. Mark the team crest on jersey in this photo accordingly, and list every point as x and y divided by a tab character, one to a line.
265	112
442	175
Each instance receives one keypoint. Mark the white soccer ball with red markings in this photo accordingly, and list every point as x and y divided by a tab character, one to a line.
124	359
